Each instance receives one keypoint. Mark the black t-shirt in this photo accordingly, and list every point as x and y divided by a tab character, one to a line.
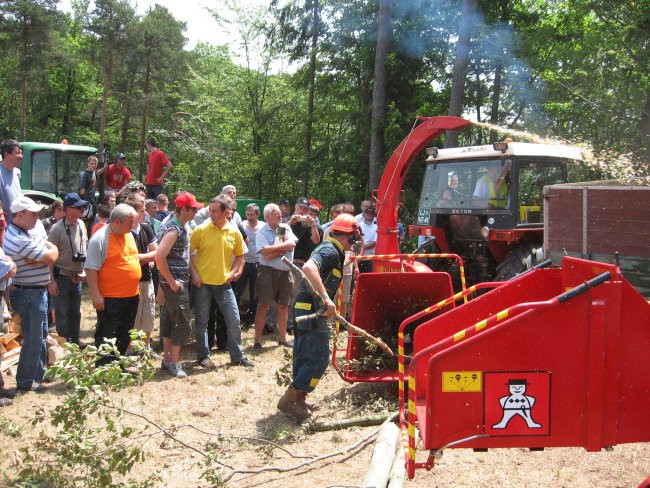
304	246
87	181
329	259
143	238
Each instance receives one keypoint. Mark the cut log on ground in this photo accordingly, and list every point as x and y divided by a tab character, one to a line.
361	421
383	457
398	471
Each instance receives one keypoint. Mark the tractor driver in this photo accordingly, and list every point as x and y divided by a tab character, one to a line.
311	345
492	188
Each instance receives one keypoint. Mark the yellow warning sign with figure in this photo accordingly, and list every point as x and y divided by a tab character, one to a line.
462	381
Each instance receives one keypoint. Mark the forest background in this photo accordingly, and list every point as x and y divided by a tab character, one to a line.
314	95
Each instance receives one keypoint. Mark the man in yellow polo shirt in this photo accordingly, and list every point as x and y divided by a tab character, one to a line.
216	256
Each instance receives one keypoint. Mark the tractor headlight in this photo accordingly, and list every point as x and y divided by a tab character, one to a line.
485	232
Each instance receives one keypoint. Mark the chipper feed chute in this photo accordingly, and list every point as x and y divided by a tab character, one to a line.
382	301
557	357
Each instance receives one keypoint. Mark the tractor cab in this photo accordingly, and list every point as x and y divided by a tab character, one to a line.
49	171
485	203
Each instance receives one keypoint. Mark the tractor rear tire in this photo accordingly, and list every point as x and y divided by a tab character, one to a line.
518	261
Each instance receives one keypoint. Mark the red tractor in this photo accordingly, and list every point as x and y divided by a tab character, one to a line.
484	204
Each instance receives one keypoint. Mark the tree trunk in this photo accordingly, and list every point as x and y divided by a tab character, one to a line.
108	82
23	109
498	77
145	113
127	111
310	100
466	26
644	129
69	97
496	98
378	123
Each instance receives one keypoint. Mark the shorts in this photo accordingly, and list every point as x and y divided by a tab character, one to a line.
175	324
144	319
273	286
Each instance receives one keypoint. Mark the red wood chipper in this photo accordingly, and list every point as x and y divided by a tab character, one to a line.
552	357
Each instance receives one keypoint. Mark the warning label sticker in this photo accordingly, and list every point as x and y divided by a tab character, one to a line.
462	381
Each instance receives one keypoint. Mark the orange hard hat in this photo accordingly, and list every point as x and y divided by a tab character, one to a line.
345	223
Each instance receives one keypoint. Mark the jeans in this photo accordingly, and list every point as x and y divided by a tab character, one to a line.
225	298
31	305
115	322
67	305
249	275
153	191
310	352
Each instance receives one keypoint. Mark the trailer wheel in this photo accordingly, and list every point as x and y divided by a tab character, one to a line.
518	261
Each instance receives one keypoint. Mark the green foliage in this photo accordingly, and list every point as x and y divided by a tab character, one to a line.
93	444
9	428
236	114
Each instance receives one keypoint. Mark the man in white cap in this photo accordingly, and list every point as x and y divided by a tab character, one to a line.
33	256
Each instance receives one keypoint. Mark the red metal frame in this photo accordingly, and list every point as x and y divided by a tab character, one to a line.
397	168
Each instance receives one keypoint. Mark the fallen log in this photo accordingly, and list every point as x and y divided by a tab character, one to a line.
398	470
361	421
352	328
383	457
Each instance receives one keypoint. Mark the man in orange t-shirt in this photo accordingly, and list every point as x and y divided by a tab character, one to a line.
113	275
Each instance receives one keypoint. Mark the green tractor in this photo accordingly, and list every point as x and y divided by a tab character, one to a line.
49	171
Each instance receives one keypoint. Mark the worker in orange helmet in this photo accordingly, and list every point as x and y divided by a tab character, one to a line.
311	344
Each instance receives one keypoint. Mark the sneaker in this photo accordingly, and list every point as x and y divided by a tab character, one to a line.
285	343
206	362
35	386
7	394
164	365
177	370
257	346
243	362
5	402
153	354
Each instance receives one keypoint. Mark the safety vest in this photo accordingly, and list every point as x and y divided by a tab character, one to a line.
498	196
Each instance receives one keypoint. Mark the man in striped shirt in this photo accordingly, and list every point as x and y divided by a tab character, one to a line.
33	256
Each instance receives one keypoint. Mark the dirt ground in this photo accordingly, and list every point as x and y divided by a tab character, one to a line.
234	408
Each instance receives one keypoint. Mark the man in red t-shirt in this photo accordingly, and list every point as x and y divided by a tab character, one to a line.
159	167
117	175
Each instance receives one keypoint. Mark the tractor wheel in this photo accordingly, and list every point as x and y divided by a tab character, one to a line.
518	261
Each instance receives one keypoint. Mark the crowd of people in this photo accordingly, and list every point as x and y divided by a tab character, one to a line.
133	253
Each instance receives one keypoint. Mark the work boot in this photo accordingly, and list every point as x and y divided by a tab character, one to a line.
301	399
312	407
289	404
3	392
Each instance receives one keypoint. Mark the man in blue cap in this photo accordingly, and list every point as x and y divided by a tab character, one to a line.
69	236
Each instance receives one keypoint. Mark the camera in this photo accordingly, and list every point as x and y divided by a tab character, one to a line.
78	257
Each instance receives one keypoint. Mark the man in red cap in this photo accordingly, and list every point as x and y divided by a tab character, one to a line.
173	260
